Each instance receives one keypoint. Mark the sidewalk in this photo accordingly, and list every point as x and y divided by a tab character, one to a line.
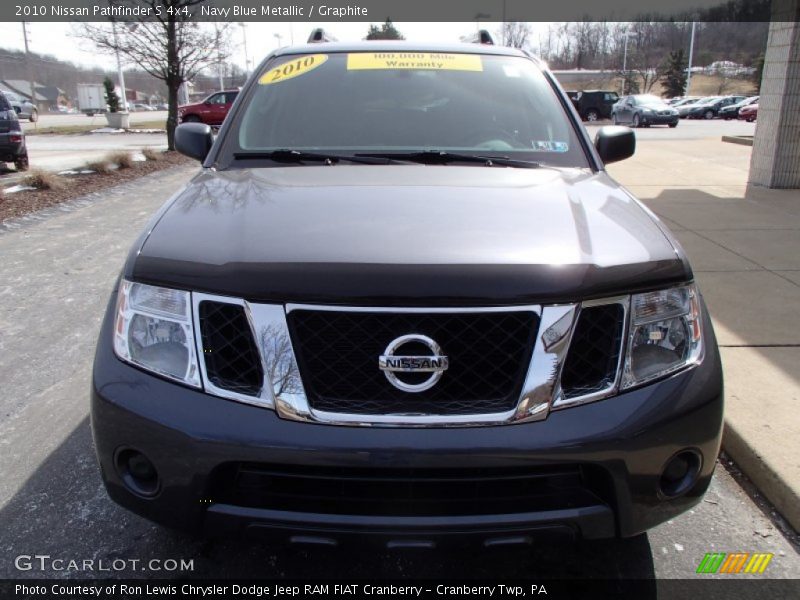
744	245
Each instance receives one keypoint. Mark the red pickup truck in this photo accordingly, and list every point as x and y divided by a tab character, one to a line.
211	111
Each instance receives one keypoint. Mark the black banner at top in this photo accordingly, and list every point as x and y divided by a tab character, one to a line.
396	10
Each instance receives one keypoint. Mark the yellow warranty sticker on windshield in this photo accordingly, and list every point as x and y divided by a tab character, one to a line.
414	60
293	68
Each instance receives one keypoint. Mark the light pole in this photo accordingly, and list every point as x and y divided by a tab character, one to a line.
120	75
246	60
691	55
279	37
28	67
219	58
627	34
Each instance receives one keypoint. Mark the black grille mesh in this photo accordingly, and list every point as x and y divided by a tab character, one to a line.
591	363
232	360
402	492
338	352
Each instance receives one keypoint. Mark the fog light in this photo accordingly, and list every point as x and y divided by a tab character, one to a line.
680	474
138	473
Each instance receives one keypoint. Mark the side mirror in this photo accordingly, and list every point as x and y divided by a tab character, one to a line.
194	140
615	143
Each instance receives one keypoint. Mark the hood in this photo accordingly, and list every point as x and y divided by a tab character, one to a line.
406	233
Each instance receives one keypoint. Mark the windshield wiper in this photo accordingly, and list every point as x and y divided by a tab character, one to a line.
286	155
440	157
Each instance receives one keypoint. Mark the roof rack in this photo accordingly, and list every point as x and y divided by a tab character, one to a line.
319	36
481	37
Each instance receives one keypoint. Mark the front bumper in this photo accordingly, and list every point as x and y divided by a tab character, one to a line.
612	453
659	119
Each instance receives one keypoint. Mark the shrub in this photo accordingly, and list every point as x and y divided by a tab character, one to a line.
101	166
151	153
122	159
43	180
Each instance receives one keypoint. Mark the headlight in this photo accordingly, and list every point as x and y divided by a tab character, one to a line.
665	334
153	330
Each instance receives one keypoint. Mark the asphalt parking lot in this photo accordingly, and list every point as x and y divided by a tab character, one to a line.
55	278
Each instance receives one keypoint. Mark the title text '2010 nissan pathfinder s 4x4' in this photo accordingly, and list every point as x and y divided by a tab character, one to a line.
403	300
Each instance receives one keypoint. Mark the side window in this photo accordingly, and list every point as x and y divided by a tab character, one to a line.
217	99
230	97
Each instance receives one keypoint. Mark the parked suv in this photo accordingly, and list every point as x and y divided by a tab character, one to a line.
12	138
593	105
212	110
404	299
24	108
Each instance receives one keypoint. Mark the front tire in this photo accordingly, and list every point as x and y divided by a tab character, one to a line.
673	125
635	122
592	115
34	116
614	119
708	115
191	119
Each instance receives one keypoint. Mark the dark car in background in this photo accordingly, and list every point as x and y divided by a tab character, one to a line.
12	138
211	111
406	304
732	110
685	107
23	108
593	105
644	110
709	108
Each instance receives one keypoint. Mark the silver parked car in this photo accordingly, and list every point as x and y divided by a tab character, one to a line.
23	108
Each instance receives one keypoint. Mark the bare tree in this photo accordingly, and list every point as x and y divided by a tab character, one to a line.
171	48
281	370
516	34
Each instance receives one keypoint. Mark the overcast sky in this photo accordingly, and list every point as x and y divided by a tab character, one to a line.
59	39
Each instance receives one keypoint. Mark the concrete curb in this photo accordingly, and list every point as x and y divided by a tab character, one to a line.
763	475
744	140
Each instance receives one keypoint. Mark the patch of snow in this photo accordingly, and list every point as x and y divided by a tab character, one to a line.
678	547
18	188
107	130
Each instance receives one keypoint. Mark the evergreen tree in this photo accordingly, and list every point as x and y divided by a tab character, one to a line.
387	31
674	80
758	73
112	99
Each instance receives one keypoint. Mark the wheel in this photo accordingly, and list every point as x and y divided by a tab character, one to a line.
709	114
635	122
191	119
673	125
592	115
34	116
750	119
22	162
614	119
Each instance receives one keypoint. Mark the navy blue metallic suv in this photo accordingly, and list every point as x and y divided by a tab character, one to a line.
403	300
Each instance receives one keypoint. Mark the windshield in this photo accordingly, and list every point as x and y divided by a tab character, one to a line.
398	102
648	99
